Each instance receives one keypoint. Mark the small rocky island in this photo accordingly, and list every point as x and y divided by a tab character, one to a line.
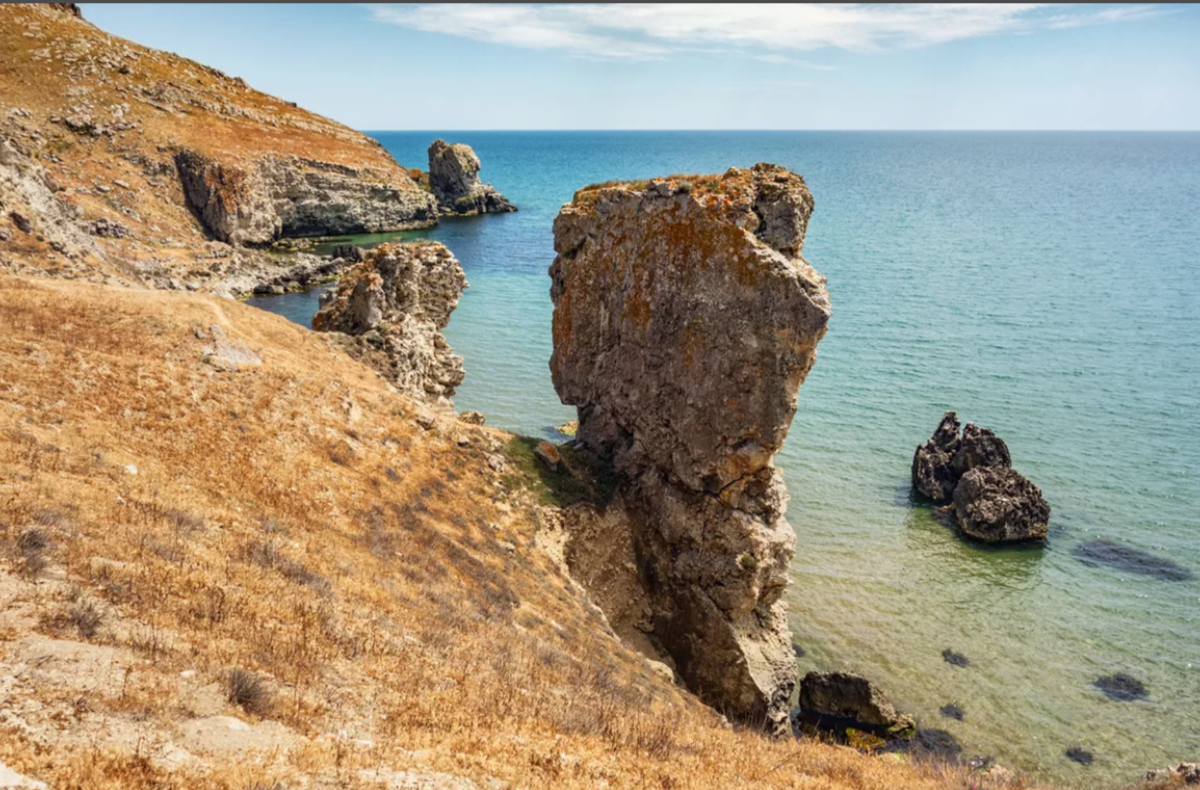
971	476
454	181
685	320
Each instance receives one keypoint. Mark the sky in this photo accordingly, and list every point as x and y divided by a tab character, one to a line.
649	66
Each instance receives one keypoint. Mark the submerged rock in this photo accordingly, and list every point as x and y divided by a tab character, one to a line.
1079	755
842	695
936	744
999	505
685	321
952	711
454	180
957	659
1121	687
1127	558
393	306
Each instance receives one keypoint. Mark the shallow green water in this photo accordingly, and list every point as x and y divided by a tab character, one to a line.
1044	285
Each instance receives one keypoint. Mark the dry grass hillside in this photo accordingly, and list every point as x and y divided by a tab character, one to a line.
104	116
233	558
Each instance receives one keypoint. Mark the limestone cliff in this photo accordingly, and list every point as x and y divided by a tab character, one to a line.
169	165
394	305
454	180
685	321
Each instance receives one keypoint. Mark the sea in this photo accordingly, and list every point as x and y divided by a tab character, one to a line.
1045	285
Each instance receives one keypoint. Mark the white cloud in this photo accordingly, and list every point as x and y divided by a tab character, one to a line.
649	31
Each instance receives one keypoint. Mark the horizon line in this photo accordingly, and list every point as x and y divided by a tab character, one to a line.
860	131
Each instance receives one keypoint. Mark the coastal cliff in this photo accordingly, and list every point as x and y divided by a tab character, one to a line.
167	167
685	321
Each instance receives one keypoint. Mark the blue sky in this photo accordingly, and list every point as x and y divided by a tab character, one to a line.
418	66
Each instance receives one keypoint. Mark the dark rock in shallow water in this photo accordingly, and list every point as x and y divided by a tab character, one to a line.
1106	552
798	651
1121	687
999	505
980	763
841	695
936	743
952	711
348	252
957	659
933	464
1079	755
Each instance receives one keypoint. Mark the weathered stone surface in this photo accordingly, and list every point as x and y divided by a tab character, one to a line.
28	201
1184	773
842	695
297	197
454	180
933	472
980	447
394	306
684	323
998	505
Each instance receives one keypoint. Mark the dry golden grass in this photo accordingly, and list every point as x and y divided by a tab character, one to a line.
293	539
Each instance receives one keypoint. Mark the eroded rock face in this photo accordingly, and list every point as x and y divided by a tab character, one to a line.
393	306
685	321
842	695
454	179
29	202
998	505
296	197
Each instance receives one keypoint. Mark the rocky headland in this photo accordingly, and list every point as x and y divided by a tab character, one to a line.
454	181
685	320
125	165
391	308
971	475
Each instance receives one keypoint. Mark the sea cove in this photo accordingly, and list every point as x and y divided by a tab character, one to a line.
1041	284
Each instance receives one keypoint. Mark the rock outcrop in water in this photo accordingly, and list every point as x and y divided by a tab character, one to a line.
394	305
685	321
454	180
842	695
296	197
973	474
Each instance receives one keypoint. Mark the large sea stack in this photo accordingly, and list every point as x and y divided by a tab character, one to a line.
685	320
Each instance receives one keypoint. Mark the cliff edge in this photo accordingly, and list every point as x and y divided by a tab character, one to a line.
685	320
164	168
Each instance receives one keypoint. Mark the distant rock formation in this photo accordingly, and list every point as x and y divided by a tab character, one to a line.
393	306
454	180
972	474
685	321
296	197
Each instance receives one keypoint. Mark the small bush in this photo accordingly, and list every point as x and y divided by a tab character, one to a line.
32	545
86	617
248	691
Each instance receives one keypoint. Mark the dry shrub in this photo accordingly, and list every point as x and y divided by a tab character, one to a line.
86	617
248	691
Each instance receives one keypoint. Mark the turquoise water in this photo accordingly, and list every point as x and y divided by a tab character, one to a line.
1044	285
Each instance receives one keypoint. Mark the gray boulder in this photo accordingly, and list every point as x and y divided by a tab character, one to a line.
842	695
685	321
454	180
998	505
